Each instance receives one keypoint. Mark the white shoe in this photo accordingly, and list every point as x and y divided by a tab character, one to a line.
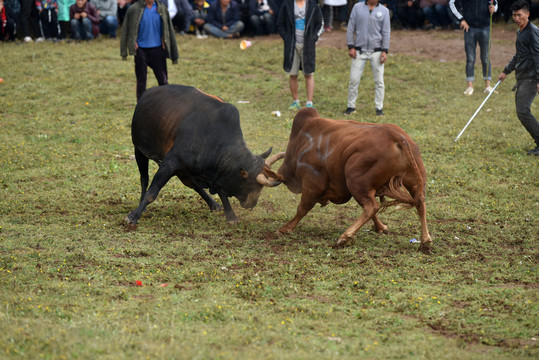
40	39
488	89
27	39
469	91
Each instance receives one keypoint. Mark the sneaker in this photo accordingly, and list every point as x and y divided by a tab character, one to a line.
309	105
27	39
349	111
294	106
327	29
344	26
534	151
469	91
379	112
488	90
40	39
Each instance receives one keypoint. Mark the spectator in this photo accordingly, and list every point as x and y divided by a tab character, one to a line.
475	18
200	14
63	17
123	5
368	38
341	6
181	12
29	21
262	16
525	63
48	18
9	16
410	14
300	25
108	21
84	20
437	13
147	33
224	19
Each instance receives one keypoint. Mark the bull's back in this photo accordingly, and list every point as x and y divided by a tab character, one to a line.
167	112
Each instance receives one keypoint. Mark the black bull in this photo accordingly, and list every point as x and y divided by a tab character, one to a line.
196	137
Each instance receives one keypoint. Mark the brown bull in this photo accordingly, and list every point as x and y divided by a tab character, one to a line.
333	160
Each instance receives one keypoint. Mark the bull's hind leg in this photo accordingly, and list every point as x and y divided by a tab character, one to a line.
426	241
370	208
142	163
161	177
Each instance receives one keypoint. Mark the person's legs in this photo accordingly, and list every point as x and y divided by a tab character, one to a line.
214	31
377	68
356	70
236	28
87	29
309	86
256	24
76	29
526	92
141	71
110	25
156	59
482	38
470	46
269	22
294	88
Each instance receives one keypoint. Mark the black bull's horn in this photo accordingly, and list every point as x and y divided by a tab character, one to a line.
270	182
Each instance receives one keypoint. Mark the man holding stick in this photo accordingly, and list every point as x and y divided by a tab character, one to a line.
525	63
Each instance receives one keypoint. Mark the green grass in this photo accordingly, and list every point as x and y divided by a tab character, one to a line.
68	265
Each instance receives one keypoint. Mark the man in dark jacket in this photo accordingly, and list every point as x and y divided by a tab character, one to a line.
147	33
300	24
475	18
224	19
525	63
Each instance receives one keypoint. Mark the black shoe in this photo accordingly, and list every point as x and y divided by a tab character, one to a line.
349	111
534	151
379	112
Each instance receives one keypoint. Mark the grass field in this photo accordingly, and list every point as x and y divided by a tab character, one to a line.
68	265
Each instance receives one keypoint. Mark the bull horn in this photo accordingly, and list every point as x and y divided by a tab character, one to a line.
272	160
263	180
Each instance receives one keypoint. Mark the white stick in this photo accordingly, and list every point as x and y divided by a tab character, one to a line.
483	103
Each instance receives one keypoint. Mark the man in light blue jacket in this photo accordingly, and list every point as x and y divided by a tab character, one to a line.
368	37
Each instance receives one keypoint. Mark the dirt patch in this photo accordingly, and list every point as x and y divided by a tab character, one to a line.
441	45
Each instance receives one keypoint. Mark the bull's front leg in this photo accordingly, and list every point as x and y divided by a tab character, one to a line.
303	209
229	213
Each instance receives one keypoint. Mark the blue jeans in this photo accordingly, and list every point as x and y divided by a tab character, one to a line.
81	29
473	37
108	26
237	27
437	15
526	92
266	22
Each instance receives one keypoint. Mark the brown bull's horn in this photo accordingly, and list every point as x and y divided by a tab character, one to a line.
263	180
274	159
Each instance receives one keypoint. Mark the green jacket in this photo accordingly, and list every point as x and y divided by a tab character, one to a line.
130	30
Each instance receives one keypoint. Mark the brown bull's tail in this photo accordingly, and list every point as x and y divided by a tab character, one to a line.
395	189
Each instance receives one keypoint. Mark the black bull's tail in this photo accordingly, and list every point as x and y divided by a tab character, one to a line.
395	188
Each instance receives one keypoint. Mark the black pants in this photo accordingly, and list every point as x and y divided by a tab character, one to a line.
49	23
526	92
29	22
156	59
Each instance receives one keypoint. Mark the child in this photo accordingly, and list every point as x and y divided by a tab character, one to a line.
200	13
48	18
300	24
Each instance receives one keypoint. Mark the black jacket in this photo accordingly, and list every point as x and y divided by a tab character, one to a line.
314	25
475	12
526	60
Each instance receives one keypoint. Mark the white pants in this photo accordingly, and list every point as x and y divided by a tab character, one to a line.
356	70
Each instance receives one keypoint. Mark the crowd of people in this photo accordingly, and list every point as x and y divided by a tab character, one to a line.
38	20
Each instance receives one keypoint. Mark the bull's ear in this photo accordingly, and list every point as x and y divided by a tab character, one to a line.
244	174
272	174
267	153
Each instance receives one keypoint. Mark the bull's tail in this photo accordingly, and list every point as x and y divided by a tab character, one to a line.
395	188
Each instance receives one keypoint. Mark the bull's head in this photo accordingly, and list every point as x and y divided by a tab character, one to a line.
250	198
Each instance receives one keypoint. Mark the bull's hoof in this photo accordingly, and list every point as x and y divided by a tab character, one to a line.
232	220
130	221
426	248
342	242
285	230
384	230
